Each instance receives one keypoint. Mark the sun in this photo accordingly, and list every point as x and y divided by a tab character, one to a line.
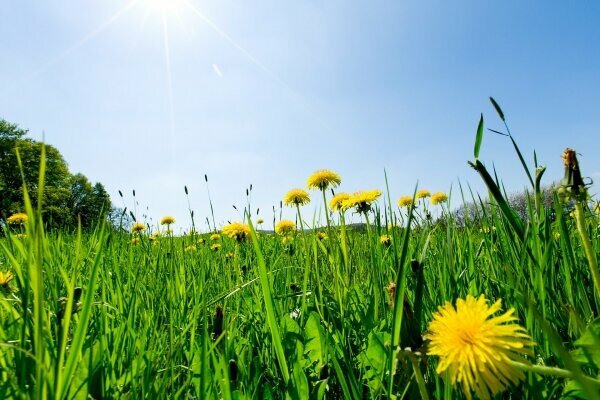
165	6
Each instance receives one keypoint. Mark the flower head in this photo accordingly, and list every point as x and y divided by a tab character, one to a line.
17	219
405	201
287	239
438	198
362	200
285	227
422	194
5	279
322	179
296	197
215	236
321	236
237	231
385	240
215	246
168	220
260	221
190	248
336	203
138	227
476	350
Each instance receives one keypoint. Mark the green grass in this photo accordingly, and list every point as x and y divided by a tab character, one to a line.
89	315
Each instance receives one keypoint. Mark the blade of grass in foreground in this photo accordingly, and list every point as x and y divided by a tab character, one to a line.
270	308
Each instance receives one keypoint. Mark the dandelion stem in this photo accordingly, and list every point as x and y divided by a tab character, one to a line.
554	371
587	245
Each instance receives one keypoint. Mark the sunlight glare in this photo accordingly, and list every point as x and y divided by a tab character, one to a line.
165	6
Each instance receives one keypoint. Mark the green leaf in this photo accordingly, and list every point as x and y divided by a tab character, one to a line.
478	138
315	346
498	109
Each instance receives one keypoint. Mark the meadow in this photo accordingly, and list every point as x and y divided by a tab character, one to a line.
412	303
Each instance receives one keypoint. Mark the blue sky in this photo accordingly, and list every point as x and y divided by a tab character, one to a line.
266	92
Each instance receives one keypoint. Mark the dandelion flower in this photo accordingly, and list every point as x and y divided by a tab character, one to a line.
438	198
138	227
285	227
475	350
321	236
215	236
168	220
296	197
322	179
362	200
190	248
385	240
287	239
237	231
405	201
135	241
336	203
215	247
200	241
260	221
17	219
422	194
5	279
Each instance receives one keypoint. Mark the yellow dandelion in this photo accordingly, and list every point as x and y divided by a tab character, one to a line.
215	236
438	198
17	219
190	248
285	227
336	203
135	241
321	236
287	239
260	221
168	220
405	201
362	200
200	241
385	240
138	227
215	247
296	197
323	179
423	194
5	279
237	231
475	350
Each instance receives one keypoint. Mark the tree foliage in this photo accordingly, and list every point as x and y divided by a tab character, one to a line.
67	199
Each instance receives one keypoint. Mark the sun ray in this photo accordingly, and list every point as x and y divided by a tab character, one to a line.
169	90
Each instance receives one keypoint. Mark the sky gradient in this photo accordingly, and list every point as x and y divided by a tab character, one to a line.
266	92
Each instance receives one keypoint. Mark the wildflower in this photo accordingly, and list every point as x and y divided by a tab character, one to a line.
5	279
362	200
385	240
336	203
135	241
154	236
168	220
138	227
200	241
215	247
287	239
322	179
321	236
237	231
475	350
215	236
229	256
391	289
17	219
422	194
296	197
597	209
285	227
260	221
190	248
405	201
438	198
